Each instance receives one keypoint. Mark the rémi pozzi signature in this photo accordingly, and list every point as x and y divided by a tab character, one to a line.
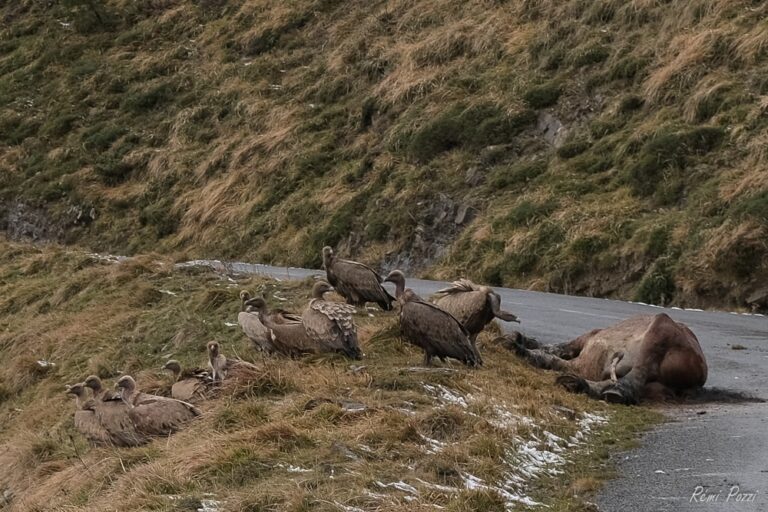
734	494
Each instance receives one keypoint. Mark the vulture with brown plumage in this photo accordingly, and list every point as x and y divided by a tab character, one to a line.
222	367
324	327
252	326
86	421
289	337
105	419
191	385
331	324
100	393
436	331
472	305
152	414
356	282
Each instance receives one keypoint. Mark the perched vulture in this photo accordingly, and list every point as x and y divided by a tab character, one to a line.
436	331
154	415
105	421
330	324
474	306
222	367
356	282
191	385
86	421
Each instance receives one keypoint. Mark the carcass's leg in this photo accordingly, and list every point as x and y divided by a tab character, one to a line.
535	357
571	349
626	390
427	359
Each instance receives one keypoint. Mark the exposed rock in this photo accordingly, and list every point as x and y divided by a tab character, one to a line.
551	129
474	176
464	214
759	299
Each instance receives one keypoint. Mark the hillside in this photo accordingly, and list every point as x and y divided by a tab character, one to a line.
612	148
311	434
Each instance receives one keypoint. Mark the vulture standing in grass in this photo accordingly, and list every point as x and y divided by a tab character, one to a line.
155	415
330	324
86	421
222	367
436	331
474	306
191	385
356	282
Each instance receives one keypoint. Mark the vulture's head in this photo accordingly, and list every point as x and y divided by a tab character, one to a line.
77	390
257	304
125	384
173	366
94	383
398	278
244	295
321	288
213	348
327	255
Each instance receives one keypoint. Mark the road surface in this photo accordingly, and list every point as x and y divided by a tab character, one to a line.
707	457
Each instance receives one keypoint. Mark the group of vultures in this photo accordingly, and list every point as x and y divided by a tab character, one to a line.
616	363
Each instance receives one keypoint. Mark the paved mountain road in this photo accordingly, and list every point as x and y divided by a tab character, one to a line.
717	453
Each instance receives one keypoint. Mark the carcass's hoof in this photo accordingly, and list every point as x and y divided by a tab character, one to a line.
573	383
614	396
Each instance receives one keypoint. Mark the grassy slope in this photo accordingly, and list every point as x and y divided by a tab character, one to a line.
90	316
264	129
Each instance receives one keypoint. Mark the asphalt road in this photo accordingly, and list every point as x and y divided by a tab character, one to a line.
707	457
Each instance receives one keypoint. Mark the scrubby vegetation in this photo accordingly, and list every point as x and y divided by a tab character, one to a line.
262	129
289	440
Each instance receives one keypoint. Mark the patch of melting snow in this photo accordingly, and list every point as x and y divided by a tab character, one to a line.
400	486
231	324
168	292
209	506
446	396
433	445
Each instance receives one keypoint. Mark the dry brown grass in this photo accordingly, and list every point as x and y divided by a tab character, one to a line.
276	439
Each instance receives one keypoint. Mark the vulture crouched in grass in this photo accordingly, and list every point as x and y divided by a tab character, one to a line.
154	415
254	329
436	331
472	305
324	327
86	421
221	367
356	282
104	419
191	385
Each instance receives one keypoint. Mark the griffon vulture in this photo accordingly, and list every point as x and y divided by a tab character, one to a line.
472	305
190	385
356	282
152	414
427	326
